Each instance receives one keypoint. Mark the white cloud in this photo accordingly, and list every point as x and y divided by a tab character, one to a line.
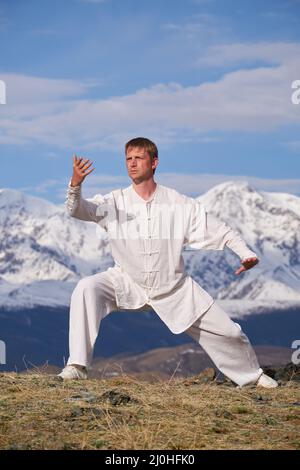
293	145
199	183
202	26
46	185
57	112
30	90
190	184
272	53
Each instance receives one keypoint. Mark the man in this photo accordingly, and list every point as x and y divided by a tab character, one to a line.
148	225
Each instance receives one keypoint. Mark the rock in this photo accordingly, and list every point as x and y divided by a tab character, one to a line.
225	381
206	376
77	412
97	412
289	372
83	396
261	398
284	373
223	414
118	398
218	428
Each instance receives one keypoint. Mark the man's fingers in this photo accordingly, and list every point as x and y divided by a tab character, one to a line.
81	166
82	163
79	162
86	166
76	159
240	270
88	172
247	263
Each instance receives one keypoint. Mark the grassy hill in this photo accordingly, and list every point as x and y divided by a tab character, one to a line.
39	411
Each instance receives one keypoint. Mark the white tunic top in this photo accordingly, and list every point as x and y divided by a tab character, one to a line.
146	240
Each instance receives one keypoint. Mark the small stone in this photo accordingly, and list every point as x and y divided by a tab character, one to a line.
223	414
77	412
97	412
260	398
84	396
206	376
117	398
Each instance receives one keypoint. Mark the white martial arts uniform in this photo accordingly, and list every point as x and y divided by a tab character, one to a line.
146	240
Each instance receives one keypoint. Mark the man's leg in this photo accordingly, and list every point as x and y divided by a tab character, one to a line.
92	299
227	345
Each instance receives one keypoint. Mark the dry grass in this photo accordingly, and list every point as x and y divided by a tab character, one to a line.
41	412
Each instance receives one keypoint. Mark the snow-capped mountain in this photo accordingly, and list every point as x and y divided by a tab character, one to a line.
44	252
270	225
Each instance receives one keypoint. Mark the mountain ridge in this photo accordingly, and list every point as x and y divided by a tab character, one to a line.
43	250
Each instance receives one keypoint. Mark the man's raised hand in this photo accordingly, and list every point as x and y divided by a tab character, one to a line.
247	263
80	170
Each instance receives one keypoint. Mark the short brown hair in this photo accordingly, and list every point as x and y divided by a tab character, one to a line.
144	143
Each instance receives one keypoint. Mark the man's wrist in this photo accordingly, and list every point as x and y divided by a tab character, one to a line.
248	257
74	184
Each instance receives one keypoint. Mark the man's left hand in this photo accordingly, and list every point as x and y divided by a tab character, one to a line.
247	263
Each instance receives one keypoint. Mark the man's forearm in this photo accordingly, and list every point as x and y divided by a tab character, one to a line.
221	235
77	206
238	246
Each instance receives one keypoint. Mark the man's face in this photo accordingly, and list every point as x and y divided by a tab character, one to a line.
139	164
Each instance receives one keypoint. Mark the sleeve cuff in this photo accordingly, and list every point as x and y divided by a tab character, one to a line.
251	254
74	188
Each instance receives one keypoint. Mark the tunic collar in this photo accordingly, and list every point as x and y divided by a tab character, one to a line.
137	196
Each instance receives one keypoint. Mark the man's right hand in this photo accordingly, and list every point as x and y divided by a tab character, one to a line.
80	167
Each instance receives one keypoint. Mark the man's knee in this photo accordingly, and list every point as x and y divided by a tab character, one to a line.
87	285
94	286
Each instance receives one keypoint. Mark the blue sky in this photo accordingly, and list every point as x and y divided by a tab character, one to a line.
208	80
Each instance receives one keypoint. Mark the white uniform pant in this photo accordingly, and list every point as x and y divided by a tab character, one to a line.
223	340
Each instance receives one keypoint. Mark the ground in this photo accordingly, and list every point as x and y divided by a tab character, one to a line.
41	412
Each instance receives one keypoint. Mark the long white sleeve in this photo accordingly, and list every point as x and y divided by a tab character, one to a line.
207	232
90	210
